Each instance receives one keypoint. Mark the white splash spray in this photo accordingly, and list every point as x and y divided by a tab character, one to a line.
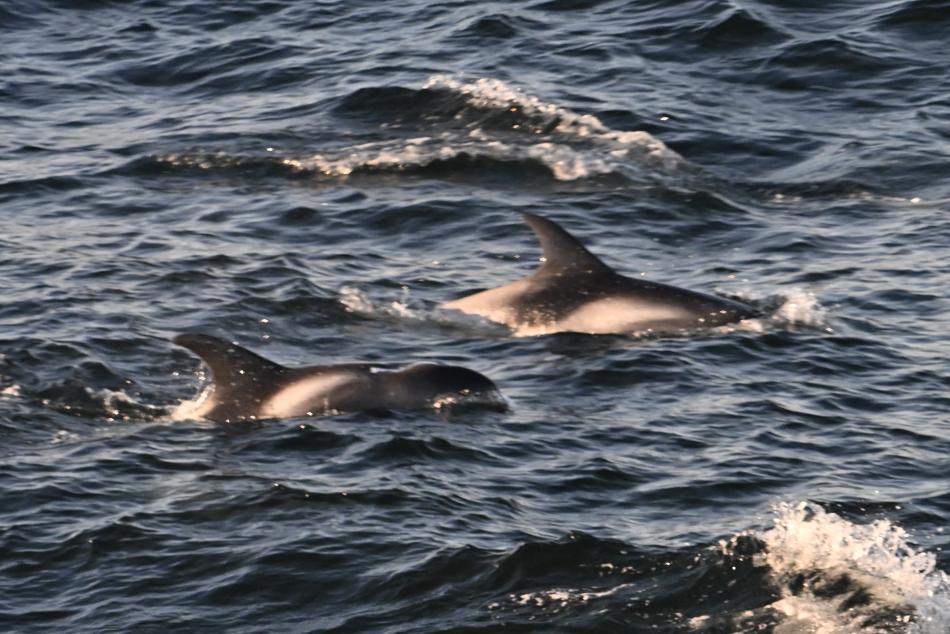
801	308
11	391
357	301
192	409
904	586
798	308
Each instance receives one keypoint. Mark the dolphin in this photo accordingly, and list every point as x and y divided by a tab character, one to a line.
573	291
246	386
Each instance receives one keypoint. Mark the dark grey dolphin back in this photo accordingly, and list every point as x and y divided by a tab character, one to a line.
420	384
445	379
563	253
242	379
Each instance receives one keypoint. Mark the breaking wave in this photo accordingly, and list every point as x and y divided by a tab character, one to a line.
812	571
485	129
837	576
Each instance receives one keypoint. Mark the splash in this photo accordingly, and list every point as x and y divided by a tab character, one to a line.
404	309
839	577
11	391
355	300
194	408
117	404
794	308
801	308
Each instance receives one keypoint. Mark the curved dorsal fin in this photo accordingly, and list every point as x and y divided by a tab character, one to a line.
563	253
233	368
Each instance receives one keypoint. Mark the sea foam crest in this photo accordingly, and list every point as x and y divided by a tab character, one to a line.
570	145
901	588
494	93
564	162
575	146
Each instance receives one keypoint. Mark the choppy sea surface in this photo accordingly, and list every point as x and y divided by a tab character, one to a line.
312	179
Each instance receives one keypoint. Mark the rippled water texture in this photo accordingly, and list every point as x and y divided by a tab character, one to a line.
312	180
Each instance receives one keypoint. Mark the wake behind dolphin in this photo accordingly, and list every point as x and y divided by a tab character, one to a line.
249	387
573	291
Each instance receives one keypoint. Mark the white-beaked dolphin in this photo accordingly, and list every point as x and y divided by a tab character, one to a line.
573	291
246	386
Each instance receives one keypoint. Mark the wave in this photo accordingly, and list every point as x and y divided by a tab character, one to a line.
231	65
923	18
65	378
831	56
475	130
811	571
497	26
739	28
421	158
74	398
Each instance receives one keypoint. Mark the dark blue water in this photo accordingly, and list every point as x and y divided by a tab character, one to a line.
312	179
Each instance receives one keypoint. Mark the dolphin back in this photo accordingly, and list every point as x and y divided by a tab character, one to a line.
424	384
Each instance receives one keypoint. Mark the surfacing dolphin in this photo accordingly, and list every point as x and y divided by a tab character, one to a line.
246	386
573	291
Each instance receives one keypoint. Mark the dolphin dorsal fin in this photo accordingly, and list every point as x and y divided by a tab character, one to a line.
233	368
563	253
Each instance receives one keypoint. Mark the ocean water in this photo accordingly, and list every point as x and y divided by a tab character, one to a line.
312	179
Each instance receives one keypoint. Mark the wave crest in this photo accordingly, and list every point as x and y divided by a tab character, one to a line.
485	129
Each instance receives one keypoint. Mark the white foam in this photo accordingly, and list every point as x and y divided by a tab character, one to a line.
905	582
63	436
11	391
799	308
566	163
494	93
559	598
114	400
448	403
355	300
197	407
